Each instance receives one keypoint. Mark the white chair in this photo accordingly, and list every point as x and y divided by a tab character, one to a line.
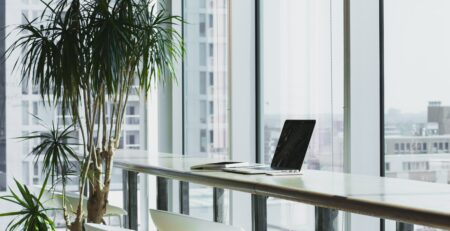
54	200
98	227
166	221
111	210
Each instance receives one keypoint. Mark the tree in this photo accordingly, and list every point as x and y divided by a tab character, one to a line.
83	55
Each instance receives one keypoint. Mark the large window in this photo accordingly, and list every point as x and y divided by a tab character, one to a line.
205	90
301	78
206	77
417	100
20	102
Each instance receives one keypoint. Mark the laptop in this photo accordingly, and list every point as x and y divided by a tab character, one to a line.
290	152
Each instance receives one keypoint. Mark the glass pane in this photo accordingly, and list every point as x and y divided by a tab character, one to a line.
205	90
20	101
417	102
302	78
205	79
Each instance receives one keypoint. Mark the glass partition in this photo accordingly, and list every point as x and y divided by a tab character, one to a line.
21	106
301	66
417	102
205	90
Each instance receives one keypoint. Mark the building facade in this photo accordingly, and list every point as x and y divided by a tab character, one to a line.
424	153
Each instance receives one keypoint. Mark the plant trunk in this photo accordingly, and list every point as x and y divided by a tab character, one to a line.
76	226
96	206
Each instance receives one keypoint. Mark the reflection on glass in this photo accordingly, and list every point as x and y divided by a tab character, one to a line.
302	78
417	100
205	90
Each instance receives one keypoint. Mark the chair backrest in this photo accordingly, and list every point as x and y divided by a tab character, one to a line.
99	227
166	221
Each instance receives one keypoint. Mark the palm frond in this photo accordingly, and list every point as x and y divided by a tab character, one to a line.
55	151
32	214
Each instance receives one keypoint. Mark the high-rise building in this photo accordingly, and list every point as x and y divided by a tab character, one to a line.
206	77
441	115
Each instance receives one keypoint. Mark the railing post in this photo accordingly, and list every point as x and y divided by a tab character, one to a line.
184	197
162	195
218	204
259	213
400	226
326	219
130	195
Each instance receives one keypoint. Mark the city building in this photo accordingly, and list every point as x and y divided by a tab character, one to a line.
206	69
425	155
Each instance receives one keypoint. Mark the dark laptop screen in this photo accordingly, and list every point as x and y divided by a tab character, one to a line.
293	144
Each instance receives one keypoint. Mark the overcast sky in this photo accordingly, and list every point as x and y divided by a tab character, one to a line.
417	53
297	55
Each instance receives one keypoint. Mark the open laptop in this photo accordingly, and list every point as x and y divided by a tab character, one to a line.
290	152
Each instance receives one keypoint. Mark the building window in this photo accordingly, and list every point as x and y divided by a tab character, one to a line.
211	136
24	88
202	54
202	25
203	140
131	110
211	21
387	167
211	50
25	113
35	112
202	83
211	79
203	111
211	107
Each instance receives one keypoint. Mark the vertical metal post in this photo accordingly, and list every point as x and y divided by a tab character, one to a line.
400	226
125	197
184	197
162	195
218	204
326	219
130	195
259	213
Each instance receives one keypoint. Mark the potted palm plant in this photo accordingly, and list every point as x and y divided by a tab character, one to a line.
84	55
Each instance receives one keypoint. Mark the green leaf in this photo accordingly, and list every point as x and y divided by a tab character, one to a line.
32	214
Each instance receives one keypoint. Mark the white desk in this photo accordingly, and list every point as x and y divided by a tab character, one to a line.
402	200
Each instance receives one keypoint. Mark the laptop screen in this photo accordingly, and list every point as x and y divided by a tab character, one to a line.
293	144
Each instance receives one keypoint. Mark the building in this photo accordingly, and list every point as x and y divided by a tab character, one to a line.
206	68
425	158
425	155
441	115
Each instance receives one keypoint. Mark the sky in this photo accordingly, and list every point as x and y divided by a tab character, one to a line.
417	54
297	55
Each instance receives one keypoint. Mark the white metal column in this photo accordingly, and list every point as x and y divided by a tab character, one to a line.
242	98
362	95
